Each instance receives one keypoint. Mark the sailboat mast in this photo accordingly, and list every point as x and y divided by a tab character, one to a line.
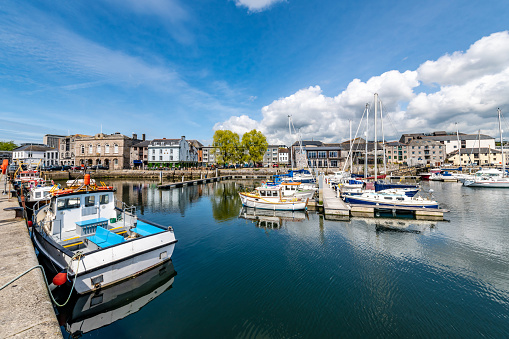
459	143
479	150
376	106
351	153
501	141
383	139
291	145
366	143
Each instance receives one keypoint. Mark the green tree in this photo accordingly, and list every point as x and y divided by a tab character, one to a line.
255	144
226	147
7	145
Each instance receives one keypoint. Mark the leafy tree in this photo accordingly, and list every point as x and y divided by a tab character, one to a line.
7	145
255	143
226	147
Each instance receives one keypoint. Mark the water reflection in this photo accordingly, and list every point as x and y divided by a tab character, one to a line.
90	312
400	225
271	219
225	201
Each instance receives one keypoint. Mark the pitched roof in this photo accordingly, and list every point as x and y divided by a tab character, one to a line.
34	148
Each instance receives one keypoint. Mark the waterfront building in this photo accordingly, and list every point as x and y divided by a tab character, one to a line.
67	149
209	155
476	157
271	157
110	150
52	140
139	153
452	143
425	152
35	154
199	149
283	156
396	152
324	156
6	155
172	153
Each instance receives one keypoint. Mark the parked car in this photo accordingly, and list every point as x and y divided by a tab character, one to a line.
55	168
275	165
100	167
66	168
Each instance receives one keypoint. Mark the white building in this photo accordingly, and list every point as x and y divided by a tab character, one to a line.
209	156
452	143
171	153
35	154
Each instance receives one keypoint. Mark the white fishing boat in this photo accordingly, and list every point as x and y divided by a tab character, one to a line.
83	232
272	198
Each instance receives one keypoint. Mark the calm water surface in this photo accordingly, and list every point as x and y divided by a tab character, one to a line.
246	274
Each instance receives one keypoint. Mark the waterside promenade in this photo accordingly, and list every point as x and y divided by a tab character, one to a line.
25	307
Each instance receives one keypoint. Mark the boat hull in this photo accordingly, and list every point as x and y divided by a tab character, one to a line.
253	202
358	200
109	265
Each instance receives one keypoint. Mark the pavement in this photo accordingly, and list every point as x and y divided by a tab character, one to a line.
26	310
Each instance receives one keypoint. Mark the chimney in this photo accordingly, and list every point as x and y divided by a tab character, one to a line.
135	136
143	137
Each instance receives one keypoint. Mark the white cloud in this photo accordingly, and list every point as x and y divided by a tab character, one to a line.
239	125
256	5
487	56
469	86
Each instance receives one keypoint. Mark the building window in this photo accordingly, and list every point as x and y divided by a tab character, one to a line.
115	161
107	148
90	149
82	149
99	149
312	154
115	148
322	154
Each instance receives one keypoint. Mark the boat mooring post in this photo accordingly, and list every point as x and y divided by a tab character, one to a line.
320	189
161	177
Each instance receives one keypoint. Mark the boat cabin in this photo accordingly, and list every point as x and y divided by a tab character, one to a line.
80	213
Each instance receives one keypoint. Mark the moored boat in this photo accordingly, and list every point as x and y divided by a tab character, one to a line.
272	198
83	232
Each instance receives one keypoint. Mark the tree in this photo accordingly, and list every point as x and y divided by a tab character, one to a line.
7	145
226	147
255	143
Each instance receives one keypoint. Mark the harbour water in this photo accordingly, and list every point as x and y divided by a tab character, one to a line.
240	273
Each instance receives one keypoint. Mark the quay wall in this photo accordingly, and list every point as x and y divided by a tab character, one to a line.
190	174
26	310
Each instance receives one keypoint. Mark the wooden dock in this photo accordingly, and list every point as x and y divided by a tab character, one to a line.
208	180
333	206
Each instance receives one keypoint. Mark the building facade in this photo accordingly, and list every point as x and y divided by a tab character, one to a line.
139	154
476	157
110	150
170	153
453	142
425	152
35	154
209	156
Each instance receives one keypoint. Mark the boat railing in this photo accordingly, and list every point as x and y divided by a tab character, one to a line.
127	213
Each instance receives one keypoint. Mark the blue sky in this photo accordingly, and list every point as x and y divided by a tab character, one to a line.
172	68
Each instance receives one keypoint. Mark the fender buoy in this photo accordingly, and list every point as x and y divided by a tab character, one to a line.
60	279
